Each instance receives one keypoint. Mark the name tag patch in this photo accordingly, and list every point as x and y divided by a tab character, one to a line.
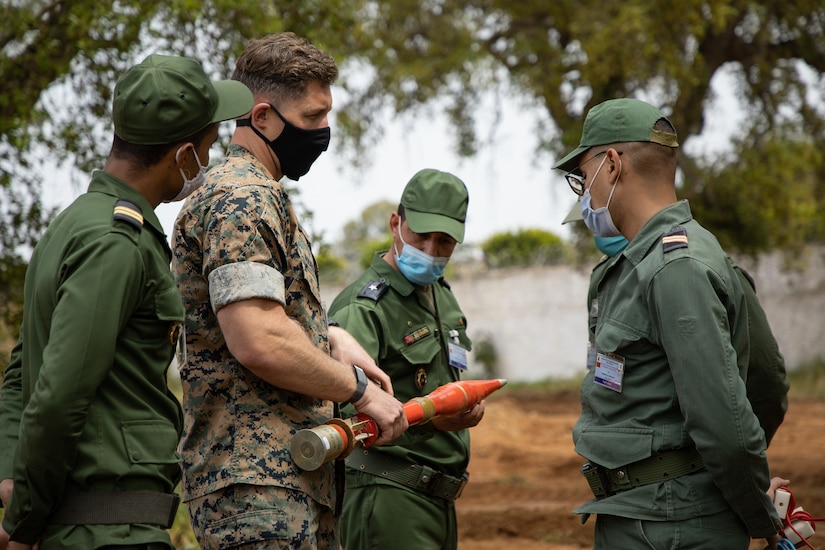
416	335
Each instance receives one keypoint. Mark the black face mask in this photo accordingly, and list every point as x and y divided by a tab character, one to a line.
296	148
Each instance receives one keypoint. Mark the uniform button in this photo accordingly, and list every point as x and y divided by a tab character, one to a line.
425	479
620	474
136	455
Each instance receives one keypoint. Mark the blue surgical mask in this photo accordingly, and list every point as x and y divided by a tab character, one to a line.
189	185
610	245
417	266
598	221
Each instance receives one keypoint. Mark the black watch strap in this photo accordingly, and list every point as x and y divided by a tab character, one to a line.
360	386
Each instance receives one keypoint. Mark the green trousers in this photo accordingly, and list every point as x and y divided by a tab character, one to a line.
712	532
379	517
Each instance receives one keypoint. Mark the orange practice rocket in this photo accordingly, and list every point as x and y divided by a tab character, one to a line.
338	437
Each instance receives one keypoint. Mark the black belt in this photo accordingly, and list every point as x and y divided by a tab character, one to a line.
605	482
116	507
423	479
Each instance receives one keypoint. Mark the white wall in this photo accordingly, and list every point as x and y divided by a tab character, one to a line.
537	317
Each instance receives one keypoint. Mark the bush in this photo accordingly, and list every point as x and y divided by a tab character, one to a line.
525	247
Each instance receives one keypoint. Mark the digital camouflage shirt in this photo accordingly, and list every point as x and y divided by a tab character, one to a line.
238	238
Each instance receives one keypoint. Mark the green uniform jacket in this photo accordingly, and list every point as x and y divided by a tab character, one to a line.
678	321
767	379
87	383
409	341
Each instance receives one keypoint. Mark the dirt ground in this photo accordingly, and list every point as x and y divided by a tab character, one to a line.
525	481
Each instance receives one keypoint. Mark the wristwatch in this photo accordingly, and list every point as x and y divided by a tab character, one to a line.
360	386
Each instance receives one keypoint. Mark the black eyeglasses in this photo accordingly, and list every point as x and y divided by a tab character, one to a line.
576	181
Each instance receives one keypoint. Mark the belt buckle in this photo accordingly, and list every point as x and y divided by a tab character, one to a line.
434	482
598	479
465	477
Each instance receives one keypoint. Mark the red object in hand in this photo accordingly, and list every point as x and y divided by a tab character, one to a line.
338	437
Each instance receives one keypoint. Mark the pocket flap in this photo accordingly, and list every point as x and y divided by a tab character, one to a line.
422	352
169	306
616	447
151	442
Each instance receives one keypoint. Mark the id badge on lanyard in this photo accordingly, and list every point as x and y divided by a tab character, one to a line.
609	371
458	355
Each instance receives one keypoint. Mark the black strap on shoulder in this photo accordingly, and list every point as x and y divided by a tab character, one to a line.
443	282
374	290
129	212
674	239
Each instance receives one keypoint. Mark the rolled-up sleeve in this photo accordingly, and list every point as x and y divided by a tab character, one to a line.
242	281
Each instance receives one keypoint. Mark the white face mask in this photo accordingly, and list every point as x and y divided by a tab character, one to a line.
599	221
189	185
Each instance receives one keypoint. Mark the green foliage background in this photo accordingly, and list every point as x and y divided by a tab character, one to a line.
59	60
525	247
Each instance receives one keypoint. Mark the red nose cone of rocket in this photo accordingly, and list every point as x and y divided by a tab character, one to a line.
460	396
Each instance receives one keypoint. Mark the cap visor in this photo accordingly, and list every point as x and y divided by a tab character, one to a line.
574	215
423	222
571	161
234	100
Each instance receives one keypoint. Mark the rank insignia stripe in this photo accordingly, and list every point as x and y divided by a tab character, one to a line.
674	239
416	335
129	212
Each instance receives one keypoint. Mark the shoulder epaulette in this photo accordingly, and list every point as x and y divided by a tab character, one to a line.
674	239
129	212
374	290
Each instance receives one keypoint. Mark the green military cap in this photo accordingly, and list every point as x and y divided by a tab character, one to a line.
436	201
167	98
618	121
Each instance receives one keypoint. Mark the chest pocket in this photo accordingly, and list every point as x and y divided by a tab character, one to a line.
422	352
168	305
614	337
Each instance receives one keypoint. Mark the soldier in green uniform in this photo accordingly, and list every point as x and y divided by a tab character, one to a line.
675	454
403	312
88	428
767	379
261	363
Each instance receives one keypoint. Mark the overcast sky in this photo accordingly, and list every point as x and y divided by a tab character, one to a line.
509	189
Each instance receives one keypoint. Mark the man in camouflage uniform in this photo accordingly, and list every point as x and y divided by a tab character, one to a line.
88	428
258	365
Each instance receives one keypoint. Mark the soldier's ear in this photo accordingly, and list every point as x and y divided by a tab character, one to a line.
394	223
